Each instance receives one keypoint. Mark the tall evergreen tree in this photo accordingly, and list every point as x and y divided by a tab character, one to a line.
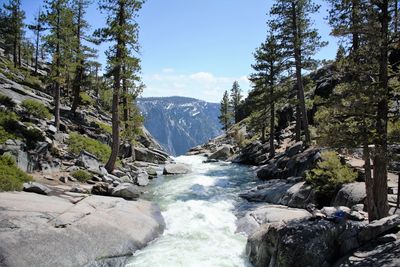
292	23
80	26
122	31
359	107
37	28
269	67
58	18
225	116
14	28
236	98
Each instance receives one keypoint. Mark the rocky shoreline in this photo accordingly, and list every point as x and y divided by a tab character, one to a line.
287	227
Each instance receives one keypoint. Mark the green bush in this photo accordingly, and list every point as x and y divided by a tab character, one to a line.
81	175
6	101
329	175
86	99
78	142
32	82
105	127
36	109
11	129
8	122
394	131
11	177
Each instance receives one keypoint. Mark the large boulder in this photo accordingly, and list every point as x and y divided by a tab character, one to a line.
350	195
269	214
222	153
142	179
299	195
272	191
312	242
373	254
37	188
149	155
88	161
286	165
46	231
126	190
176	168
18	150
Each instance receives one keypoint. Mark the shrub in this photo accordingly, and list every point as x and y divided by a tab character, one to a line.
6	101
78	142
394	131
86	99
329	175
105	127
8	122
81	175
11	177
36	109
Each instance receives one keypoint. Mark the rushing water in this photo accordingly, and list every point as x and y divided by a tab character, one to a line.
199	210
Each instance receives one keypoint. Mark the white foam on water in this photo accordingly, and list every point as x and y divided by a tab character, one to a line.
199	232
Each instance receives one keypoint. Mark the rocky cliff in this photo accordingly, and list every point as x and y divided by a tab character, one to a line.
179	123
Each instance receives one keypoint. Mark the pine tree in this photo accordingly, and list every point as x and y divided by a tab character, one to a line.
357	114
226	116
132	87
58	18
80	51
122	31
236	98
14	28
300	42
269	67
37	27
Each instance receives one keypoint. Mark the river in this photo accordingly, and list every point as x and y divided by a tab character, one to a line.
199	209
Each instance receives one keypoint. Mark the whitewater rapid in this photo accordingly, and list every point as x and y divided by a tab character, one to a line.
199	210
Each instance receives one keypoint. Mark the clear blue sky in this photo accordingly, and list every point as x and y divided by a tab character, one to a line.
197	48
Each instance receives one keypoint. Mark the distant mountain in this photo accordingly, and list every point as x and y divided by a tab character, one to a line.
180	123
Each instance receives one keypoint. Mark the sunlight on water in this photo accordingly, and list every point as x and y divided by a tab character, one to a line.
198	211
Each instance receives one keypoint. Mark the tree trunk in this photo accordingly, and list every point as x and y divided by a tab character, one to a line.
299	79
355	24
380	156
57	82
369	182
272	125
97	81
19	51
298	124
15	46
125	101
396	16
117	84
37	46
79	66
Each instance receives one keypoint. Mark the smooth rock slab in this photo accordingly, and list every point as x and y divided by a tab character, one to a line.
37	188
269	214
350	195
176	168
126	190
38	230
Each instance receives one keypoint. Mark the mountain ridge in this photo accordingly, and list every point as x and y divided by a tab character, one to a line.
179	123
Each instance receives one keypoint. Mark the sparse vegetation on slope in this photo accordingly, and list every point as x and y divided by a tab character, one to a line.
36	109
11	177
78	142
81	175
